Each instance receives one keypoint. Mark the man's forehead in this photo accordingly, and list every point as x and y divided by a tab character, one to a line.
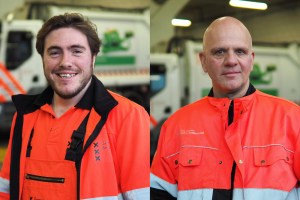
227	28
66	33
227	39
66	36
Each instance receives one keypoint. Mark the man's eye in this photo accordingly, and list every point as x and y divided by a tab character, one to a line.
219	52
240	52
53	53
77	52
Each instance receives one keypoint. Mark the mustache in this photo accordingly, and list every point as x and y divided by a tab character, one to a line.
64	70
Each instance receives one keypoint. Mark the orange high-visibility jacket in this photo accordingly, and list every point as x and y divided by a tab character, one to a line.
197	149
125	172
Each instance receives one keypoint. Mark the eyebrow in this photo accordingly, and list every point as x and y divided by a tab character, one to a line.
71	47
226	48
218	48
76	46
53	47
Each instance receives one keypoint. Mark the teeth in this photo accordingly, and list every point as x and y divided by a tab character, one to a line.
66	75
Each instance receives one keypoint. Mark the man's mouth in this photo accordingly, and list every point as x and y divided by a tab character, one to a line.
230	73
66	75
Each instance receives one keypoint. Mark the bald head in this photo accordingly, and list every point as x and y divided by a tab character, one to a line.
227	57
229	26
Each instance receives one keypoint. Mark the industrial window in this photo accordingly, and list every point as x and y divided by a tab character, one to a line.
19	48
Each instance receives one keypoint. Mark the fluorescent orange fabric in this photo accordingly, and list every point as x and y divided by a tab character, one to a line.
124	154
52	135
49	180
197	148
49	142
117	161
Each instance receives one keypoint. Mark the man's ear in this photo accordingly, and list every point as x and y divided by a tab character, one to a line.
94	60
252	55
203	60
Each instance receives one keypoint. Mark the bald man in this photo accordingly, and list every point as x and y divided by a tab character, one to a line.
236	143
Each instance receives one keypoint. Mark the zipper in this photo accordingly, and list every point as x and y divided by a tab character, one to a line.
45	178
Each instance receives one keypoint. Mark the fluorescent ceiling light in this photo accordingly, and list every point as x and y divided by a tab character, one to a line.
248	4
181	22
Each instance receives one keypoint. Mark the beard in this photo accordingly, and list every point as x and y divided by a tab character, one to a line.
70	93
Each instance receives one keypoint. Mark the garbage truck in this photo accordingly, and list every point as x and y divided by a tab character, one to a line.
122	64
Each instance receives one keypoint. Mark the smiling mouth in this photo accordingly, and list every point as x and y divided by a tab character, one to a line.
66	75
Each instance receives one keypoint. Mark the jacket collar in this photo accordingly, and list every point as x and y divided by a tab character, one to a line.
251	90
224	103
96	96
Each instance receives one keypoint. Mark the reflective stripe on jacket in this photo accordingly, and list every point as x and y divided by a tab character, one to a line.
122	172
197	148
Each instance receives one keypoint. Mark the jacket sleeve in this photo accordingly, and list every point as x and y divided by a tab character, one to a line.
5	171
162	178
297	143
297	158
133	152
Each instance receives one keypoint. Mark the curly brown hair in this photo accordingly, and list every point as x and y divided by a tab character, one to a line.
69	20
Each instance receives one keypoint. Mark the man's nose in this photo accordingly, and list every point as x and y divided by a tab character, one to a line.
230	59
66	60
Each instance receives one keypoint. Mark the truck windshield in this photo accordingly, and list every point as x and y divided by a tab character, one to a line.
19	48
157	78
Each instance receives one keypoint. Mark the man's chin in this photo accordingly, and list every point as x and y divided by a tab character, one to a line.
66	94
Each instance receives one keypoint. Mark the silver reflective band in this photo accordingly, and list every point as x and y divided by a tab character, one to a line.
119	197
4	185
137	194
261	194
143	193
158	183
203	194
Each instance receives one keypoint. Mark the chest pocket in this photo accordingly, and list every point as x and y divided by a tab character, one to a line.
194	167
272	168
49	180
267	156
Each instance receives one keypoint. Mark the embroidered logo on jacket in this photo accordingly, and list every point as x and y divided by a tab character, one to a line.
99	147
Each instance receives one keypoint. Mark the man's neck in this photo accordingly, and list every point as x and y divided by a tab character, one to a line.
61	105
232	94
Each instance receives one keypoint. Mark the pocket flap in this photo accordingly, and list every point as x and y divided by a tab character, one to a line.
265	156
190	156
